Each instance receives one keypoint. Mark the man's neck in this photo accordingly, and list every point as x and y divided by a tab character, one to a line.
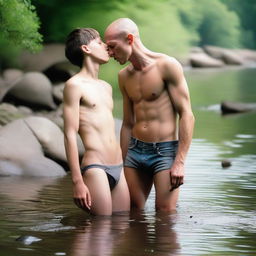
90	69
140	57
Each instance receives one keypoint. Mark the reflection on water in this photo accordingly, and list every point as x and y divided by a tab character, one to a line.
124	234
216	210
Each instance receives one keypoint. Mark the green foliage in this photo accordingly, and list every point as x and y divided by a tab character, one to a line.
18	30
19	24
168	26
246	10
159	22
174	25
219	26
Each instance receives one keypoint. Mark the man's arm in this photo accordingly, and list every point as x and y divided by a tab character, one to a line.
179	94
72	97
128	117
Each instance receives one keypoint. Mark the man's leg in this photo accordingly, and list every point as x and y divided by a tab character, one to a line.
166	200
140	184
97	182
120	196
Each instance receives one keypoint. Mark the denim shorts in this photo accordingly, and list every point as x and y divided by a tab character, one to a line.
151	156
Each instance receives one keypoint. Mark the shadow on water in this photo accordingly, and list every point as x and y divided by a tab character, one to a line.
216	213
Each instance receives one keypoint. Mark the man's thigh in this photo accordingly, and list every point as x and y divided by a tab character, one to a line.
120	195
140	184
97	182
166	200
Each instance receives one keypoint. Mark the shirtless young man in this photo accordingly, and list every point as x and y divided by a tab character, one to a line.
154	93
99	186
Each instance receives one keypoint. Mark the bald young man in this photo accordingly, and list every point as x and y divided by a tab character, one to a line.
155	94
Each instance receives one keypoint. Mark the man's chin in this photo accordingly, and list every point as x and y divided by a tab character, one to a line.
106	60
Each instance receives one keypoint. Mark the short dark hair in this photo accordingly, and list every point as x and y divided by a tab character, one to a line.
77	38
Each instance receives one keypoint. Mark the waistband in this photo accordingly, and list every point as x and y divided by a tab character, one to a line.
101	166
141	143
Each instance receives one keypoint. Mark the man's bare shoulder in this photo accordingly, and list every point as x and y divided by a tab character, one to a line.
74	87
74	81
167	60
77	82
123	72
170	67
103	82
71	85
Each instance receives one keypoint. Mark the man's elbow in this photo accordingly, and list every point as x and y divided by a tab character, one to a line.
189	116
127	125
192	118
69	135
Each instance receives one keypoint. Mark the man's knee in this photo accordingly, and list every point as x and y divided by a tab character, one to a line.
165	206
104	211
138	205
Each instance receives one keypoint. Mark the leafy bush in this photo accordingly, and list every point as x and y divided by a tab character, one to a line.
19	26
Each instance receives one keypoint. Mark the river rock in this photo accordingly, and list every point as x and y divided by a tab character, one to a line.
247	54
22	154
50	55
214	51
225	163
232	58
34	89
202	60
3	88
49	136
9	113
11	75
25	110
196	50
56	117
236	107
60	72
57	92
229	56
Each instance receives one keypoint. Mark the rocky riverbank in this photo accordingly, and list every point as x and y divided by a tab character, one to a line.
217	57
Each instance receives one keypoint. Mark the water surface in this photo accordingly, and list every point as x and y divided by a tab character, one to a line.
216	209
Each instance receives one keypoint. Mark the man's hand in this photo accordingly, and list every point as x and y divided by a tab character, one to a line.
176	176
81	195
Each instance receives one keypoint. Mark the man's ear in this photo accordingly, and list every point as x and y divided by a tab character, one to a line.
85	48
130	38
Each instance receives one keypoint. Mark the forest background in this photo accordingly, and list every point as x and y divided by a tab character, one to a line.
168	26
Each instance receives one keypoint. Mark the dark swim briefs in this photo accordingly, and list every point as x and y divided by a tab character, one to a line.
151	156
113	172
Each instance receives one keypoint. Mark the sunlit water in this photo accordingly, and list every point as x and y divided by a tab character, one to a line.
216	209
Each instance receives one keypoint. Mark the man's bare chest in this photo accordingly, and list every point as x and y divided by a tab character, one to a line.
96	97
144	86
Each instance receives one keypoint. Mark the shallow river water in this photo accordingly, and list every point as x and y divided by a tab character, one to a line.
216	212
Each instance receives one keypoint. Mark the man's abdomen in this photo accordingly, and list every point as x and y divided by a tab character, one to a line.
155	131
